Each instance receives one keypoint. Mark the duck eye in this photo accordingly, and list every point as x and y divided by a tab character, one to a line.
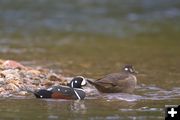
75	81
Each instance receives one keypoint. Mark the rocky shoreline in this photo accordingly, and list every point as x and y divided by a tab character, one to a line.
18	80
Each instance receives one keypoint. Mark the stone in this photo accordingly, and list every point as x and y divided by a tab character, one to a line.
16	79
10	64
11	74
34	72
11	87
54	77
1	89
2	81
23	93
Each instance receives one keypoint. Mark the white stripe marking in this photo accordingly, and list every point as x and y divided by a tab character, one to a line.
83	82
77	95
72	84
49	89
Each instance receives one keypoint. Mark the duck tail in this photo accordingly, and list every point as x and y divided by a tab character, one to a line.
33	92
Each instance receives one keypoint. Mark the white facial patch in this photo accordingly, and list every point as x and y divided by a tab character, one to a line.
83	81
49	89
41	96
126	69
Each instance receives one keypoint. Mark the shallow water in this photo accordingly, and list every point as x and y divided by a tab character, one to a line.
94	38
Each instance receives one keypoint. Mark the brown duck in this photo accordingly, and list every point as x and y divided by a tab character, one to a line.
124	81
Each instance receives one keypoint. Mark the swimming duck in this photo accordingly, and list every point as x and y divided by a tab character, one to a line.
124	81
72	91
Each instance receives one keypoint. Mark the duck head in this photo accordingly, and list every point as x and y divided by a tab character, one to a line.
77	82
129	69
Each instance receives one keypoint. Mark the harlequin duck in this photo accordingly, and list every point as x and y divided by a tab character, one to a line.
72	91
124	81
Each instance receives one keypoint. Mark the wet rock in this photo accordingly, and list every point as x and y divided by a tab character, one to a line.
10	74
55	77
2	89
10	64
33	72
23	93
2	81
48	83
36	82
16	79
2	75
11	87
15	82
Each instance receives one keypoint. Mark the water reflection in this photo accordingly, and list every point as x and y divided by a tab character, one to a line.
145	93
78	109
156	93
62	109
88	109
78	106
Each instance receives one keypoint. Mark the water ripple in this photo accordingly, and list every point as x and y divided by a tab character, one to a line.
149	93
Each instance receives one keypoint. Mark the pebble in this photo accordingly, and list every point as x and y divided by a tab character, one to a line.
10	64
2	81
17	79
12	87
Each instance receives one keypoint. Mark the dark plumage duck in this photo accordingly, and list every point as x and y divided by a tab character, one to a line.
72	91
124	81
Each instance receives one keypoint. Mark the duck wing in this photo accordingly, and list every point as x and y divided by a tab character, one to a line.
113	79
62	89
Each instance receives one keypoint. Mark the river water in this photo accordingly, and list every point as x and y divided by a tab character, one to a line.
93	38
